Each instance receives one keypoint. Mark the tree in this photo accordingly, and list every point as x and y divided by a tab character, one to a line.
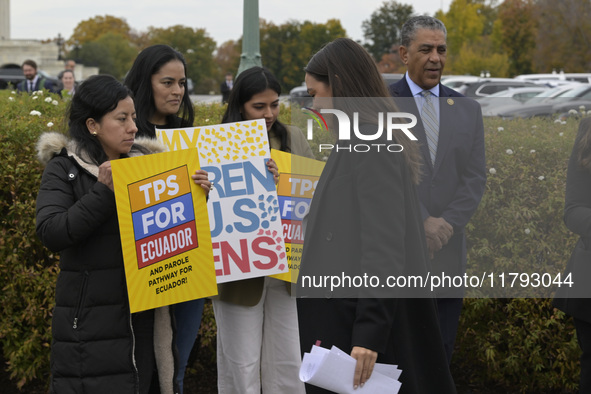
280	51
197	48
463	22
316	35
564	38
227	58
488	10
93	28
112	53
286	49
478	56
94	54
121	51
382	30
518	34
391	63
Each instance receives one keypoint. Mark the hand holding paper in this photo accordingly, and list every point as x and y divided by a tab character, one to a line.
365	361
334	370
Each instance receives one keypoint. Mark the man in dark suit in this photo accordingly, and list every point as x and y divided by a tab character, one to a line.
226	87
451	135
33	81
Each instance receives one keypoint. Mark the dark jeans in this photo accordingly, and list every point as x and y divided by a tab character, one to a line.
188	319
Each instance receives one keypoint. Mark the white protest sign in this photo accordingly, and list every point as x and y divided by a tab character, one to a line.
243	207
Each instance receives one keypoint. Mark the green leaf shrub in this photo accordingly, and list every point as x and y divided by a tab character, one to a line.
511	344
27	269
520	344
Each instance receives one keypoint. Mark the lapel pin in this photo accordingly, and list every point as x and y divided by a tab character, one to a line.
450	101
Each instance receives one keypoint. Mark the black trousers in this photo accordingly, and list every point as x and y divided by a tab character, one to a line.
143	330
448	311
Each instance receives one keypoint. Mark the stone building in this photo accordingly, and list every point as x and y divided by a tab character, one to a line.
46	55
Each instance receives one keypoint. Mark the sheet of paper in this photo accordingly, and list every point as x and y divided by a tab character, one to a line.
334	370
390	371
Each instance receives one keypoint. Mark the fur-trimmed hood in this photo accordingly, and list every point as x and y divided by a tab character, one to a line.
51	144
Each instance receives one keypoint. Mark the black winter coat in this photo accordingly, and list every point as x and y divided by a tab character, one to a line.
365	222
575	299
93	343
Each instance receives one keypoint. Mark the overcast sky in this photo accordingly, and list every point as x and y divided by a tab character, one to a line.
222	19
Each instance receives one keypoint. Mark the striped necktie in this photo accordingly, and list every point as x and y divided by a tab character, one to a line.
431	123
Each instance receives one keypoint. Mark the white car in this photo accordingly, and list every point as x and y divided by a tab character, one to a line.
511	96
550	102
455	81
299	95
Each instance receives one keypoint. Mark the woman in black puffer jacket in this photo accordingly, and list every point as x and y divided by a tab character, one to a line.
93	335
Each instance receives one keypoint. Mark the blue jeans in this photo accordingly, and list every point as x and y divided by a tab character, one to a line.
188	319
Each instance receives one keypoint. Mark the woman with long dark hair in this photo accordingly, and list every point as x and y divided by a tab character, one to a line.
365	222
257	339
158	80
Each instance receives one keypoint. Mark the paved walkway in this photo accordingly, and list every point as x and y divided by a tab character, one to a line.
217	98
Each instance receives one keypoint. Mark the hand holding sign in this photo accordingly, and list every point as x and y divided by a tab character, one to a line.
105	176
272	166
201	178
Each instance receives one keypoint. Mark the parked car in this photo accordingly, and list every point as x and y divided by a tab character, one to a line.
510	97
487	86
10	77
572	89
389	79
551	106
575	77
545	96
190	87
299	95
455	81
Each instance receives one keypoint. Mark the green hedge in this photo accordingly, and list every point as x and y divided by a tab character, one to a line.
27	270
515	344
520	344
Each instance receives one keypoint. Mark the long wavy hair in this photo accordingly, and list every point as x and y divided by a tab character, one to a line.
139	80
95	97
250	82
350	72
